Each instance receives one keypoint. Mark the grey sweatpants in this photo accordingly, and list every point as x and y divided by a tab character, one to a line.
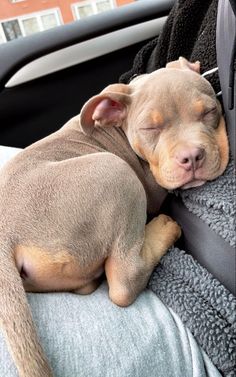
89	336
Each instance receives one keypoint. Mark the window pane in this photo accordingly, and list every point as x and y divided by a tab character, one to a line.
12	29
103	5
85	10
49	21
30	25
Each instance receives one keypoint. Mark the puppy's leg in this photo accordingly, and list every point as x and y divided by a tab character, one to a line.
128	275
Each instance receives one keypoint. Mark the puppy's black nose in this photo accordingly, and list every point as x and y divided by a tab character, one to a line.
190	158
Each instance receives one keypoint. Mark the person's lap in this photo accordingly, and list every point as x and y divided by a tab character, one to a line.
89	336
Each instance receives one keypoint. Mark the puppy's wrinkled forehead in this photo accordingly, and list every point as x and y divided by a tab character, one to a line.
172	85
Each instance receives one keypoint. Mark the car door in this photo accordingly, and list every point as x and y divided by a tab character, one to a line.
45	78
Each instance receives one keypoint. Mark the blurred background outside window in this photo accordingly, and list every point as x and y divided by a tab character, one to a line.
19	18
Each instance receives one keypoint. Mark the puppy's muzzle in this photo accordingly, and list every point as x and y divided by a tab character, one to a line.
190	158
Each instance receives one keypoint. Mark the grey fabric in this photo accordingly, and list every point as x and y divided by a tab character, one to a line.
203	304
215	204
88	336
218	257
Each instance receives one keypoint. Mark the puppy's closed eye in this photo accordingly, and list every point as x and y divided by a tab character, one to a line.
209	112
152	128
211	116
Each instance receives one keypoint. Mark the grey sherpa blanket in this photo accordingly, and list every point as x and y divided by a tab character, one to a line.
215	204
203	303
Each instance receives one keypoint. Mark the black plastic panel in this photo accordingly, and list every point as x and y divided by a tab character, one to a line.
33	110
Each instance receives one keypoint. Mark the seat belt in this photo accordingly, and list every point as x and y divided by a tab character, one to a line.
226	60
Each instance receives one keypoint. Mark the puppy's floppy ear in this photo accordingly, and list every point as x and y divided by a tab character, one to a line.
109	108
183	63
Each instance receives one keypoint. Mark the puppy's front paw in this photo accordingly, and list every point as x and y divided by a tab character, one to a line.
163	231
172	230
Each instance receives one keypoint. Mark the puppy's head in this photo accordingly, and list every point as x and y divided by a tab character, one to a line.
171	118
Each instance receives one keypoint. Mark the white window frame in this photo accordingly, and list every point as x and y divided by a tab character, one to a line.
2	34
93	3
37	15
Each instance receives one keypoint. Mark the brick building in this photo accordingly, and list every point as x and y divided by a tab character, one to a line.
19	18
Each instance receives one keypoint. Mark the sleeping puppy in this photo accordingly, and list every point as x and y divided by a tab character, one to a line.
74	204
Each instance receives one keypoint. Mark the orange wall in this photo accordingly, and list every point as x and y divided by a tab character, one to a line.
10	10
123	2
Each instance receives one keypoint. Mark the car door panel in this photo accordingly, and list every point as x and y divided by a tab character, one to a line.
46	78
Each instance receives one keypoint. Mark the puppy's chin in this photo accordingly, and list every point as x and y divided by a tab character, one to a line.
182	182
194	183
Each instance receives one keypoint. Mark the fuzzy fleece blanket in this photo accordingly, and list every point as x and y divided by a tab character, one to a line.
217	210
206	307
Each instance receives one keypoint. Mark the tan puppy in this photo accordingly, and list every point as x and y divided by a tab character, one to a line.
74	204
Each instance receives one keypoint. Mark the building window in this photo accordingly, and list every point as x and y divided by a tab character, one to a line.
104	5
49	21
90	7
29	24
11	29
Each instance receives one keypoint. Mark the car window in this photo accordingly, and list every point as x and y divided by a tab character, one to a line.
19	18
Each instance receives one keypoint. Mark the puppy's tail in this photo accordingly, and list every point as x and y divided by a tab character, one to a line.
16	320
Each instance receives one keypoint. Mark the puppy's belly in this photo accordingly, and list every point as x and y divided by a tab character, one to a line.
44	271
